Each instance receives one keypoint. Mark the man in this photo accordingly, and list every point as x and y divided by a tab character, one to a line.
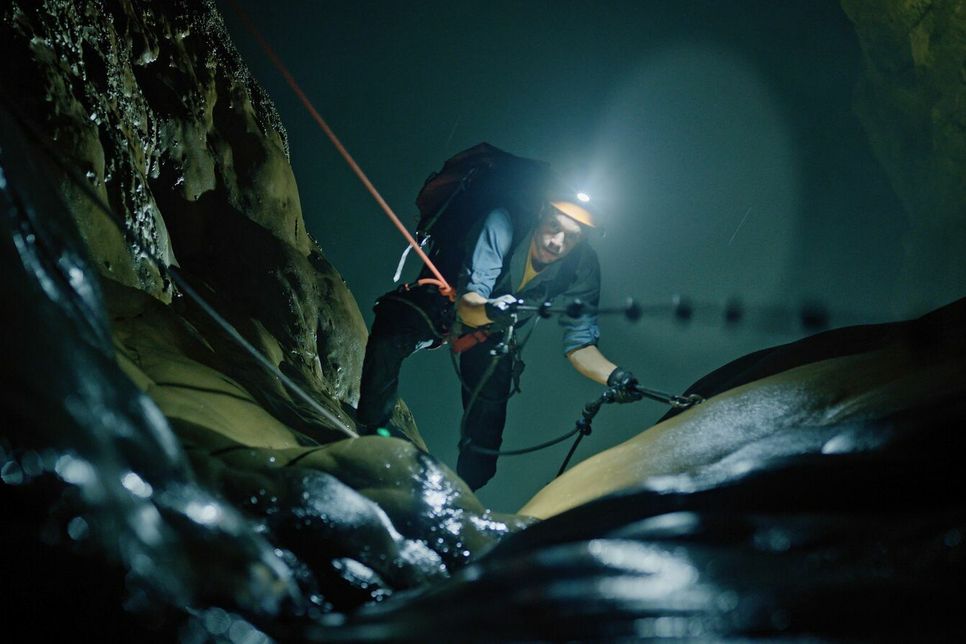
556	264
550	261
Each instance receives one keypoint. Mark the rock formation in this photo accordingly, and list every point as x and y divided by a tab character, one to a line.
840	391
152	104
159	482
912	104
144	112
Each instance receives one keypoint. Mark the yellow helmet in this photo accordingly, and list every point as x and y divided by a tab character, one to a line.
575	211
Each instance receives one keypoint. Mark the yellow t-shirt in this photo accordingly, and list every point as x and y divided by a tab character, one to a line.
529	272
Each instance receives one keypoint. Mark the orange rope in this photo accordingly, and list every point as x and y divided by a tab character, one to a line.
440	282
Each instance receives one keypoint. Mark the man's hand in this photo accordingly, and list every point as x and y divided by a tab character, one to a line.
624	384
500	307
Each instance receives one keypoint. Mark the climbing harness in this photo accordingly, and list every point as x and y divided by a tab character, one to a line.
164	270
468	340
508	346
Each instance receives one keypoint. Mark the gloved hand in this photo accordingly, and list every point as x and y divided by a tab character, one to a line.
624	384
500	307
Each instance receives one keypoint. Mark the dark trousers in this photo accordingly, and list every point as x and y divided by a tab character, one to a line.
398	331
405	322
484	415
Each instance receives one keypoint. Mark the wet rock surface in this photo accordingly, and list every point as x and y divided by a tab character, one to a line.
828	508
105	514
158	484
831	548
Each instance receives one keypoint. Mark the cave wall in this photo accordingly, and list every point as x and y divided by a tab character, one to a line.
147	105
912	104
151	102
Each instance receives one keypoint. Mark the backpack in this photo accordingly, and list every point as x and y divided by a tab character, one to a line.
454	201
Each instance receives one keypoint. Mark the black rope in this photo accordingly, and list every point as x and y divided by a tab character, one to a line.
467	442
517	452
585	423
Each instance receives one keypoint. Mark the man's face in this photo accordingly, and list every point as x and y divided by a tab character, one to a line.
555	236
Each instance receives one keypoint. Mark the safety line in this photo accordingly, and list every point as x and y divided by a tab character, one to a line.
255	353
440	282
175	274
469	444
